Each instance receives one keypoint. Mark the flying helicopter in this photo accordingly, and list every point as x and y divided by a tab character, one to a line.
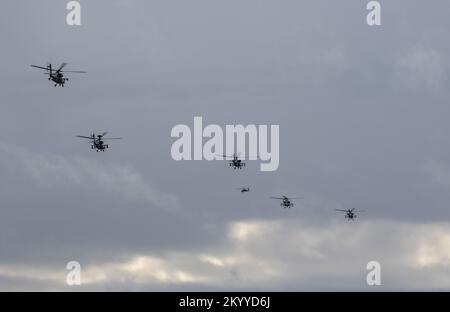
98	141
235	162
244	189
350	214
286	202
57	76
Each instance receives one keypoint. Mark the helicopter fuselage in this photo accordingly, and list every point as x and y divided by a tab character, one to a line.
58	79
237	163
99	145
286	203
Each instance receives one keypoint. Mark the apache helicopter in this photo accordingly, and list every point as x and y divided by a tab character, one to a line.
57	76
286	202
236	163
350	214
97	142
244	189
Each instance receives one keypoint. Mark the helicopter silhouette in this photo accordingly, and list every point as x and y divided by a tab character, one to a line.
235	162
244	189
350	214
57	76
98	141
286	202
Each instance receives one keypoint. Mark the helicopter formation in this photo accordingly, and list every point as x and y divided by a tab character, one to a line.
286	201
98	141
57	76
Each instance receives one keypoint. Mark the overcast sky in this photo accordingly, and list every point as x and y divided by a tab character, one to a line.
363	114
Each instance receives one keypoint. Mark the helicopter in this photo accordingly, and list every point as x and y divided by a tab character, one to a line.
350	214
286	202
236	163
57	76
97	141
244	189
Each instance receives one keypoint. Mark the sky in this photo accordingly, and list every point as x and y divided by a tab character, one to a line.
363	115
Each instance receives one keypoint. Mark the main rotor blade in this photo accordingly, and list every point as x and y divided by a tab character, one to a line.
247	157
276	197
40	67
84	137
61	67
112	138
342	210
73	71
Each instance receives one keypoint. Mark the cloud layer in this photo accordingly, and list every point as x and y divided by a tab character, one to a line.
277	255
56	172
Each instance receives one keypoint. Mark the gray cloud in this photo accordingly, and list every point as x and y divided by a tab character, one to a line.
423	66
268	255
55	172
